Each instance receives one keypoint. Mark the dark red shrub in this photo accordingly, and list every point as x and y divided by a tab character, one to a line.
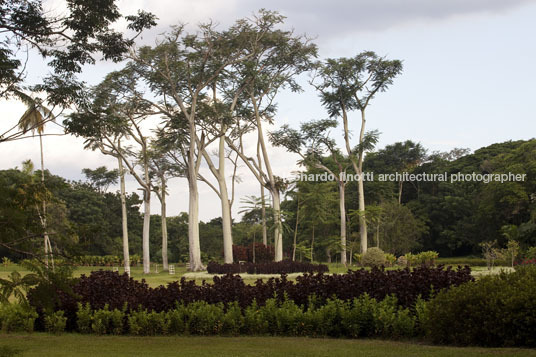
106	287
282	267
263	253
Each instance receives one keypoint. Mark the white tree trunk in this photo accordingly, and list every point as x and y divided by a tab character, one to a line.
278	231
126	254
343	222
163	216
362	217
263	217
225	205
145	237
193	226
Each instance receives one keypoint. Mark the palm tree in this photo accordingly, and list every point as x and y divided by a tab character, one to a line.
35	118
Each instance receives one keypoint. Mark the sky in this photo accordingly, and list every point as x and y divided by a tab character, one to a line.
468	78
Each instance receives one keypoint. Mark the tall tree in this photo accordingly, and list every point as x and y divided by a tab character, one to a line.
278	57
349	84
311	142
181	72
34	119
116	111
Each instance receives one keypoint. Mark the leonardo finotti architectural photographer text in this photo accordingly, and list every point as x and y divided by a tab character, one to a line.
406	176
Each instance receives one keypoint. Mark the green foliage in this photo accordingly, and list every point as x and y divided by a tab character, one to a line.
426	258
83	318
390	259
17	318
530	253
496	310
45	295
374	257
142	322
16	286
55	323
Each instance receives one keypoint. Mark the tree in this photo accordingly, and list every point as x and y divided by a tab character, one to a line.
277	57
100	178
34	119
180	71
319	201
117	111
398	157
348	84
70	40
311	142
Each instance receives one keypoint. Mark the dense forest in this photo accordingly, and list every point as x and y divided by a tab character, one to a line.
451	218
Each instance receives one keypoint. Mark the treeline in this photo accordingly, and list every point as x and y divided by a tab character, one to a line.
450	218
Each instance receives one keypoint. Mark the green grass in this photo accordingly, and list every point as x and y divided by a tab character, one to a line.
40	344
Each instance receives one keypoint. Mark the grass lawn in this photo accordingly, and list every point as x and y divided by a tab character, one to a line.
40	344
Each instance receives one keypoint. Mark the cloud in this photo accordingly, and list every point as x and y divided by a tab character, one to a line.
325	19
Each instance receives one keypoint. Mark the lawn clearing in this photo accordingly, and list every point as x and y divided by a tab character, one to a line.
40	344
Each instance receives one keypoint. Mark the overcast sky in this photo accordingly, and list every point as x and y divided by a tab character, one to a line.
469	73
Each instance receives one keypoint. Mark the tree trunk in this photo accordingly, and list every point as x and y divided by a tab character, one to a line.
342	208
145	237
313	244
46	238
378	234
163	215
400	185
193	226
362	217
358	170
124	222
328	253
296	229
263	216
278	231
225	206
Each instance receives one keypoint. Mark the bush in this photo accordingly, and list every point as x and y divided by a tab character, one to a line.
497	310
374	257
282	267
390	259
17	318
530	253
263	253
55	322
426	258
123	293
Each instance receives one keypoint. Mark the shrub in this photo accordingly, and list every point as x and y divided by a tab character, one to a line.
263	253
83	318
390	259
123	293
282	267
426	258
530	253
402	261
55	322
411	259
17	318
497	310
374	257
147	323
